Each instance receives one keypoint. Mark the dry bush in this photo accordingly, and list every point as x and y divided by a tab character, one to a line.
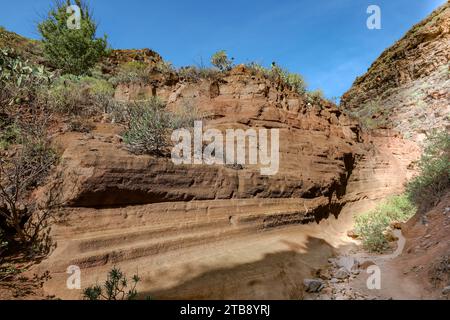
22	169
77	96
197	73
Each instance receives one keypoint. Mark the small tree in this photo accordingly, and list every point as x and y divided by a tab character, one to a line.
71	50
114	288
220	60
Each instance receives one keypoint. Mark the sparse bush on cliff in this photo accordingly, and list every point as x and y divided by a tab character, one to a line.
164	67
72	95
315	95
116	287
293	80
257	68
221	61
139	72
276	73
426	189
73	51
370	227
132	72
196	73
150	123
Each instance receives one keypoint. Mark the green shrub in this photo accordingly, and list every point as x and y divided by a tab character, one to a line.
422	192
149	125
72	95
296	82
426	189
257	68
9	134
19	80
132	72
315	95
220	60
293	80
165	67
73	51
116	287
196	73
370	227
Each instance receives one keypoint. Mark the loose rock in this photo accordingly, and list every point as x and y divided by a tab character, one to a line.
313	285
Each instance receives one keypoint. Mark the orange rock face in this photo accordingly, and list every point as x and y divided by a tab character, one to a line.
145	212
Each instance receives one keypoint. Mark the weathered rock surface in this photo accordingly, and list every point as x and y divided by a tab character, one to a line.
220	232
407	87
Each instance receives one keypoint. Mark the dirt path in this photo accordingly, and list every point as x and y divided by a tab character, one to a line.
355	283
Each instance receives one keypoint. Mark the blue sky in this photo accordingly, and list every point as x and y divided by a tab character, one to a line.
326	41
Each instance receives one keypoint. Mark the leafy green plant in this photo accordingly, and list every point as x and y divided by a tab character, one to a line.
371	226
116	287
73	51
434	178
220	60
19	80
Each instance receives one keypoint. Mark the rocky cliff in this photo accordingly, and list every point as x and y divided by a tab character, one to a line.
213	231
407	87
201	231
